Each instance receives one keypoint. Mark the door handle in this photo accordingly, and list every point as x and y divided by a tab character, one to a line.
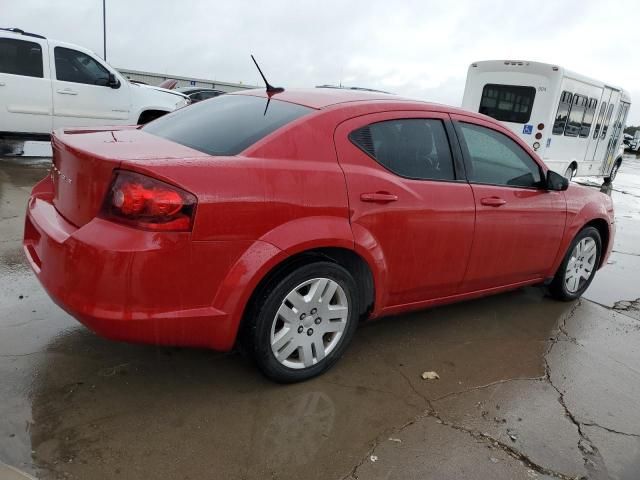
493	201
378	197
67	91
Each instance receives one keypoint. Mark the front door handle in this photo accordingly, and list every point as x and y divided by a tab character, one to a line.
67	91
378	197
493	201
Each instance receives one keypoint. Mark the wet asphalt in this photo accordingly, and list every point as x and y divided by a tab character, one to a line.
529	387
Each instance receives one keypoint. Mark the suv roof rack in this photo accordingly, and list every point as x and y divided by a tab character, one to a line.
22	32
361	89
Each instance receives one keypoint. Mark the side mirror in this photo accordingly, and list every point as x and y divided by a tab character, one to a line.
113	81
556	182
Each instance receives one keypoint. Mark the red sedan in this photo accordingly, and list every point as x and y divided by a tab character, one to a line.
282	220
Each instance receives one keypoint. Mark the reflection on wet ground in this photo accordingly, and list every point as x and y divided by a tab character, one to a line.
529	387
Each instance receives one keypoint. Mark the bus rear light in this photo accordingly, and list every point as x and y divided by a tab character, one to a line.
541	126
149	204
538	136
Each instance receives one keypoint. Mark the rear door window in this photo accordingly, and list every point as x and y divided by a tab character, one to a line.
19	57
413	148
495	159
226	125
507	103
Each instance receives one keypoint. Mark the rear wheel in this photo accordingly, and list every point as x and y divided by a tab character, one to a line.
578	266
302	325
614	172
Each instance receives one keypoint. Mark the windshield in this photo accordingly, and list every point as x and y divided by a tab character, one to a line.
225	125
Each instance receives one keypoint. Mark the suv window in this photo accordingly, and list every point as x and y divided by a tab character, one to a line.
227	124
496	159
507	103
412	148
78	67
19	57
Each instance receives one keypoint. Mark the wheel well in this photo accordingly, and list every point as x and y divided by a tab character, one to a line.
346	258
603	230
148	115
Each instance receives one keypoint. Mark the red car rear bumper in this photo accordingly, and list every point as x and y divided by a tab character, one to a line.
133	285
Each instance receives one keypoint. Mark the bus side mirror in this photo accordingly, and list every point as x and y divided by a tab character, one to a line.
556	182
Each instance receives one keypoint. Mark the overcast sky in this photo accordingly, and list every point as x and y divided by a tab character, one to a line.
416	48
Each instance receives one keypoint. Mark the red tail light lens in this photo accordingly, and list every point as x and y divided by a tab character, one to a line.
150	204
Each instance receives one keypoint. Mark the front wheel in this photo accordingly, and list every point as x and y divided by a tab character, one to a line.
302	325
578	266
570	172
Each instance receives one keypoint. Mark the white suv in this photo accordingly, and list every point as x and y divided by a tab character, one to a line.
46	84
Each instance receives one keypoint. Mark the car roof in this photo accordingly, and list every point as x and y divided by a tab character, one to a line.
320	98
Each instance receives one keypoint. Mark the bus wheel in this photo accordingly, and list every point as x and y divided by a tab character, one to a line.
570	172
614	172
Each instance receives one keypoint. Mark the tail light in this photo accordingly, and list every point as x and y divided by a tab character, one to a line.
149	204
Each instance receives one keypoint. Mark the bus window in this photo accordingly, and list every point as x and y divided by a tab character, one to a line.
603	109
564	107
507	103
606	123
574	124
588	117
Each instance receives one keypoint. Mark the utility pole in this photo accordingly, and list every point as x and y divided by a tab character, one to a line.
104	29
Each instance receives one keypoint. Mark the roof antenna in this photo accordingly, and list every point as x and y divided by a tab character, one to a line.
270	88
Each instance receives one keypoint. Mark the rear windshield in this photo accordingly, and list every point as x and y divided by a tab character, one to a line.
507	103
225	125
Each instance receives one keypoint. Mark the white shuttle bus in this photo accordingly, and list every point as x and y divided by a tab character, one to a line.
573	122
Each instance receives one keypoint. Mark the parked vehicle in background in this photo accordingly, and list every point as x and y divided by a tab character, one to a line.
280	220
46	84
573	122
634	143
626	141
197	94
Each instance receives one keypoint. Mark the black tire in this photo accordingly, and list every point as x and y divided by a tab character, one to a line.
614	172
558	288
256	337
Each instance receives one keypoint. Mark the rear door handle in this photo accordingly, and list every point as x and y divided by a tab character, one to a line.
378	197
67	91
493	201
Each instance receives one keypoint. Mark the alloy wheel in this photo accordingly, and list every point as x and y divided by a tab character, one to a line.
309	323
581	264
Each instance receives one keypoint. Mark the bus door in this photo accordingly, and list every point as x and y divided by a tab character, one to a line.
597	146
614	141
606	128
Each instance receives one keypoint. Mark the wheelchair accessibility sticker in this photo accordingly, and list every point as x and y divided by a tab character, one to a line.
527	129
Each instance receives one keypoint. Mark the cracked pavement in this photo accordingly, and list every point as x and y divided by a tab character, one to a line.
528	388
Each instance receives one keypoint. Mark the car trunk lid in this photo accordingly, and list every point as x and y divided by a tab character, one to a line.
84	162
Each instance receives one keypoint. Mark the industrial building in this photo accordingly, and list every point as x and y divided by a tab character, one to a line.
157	78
